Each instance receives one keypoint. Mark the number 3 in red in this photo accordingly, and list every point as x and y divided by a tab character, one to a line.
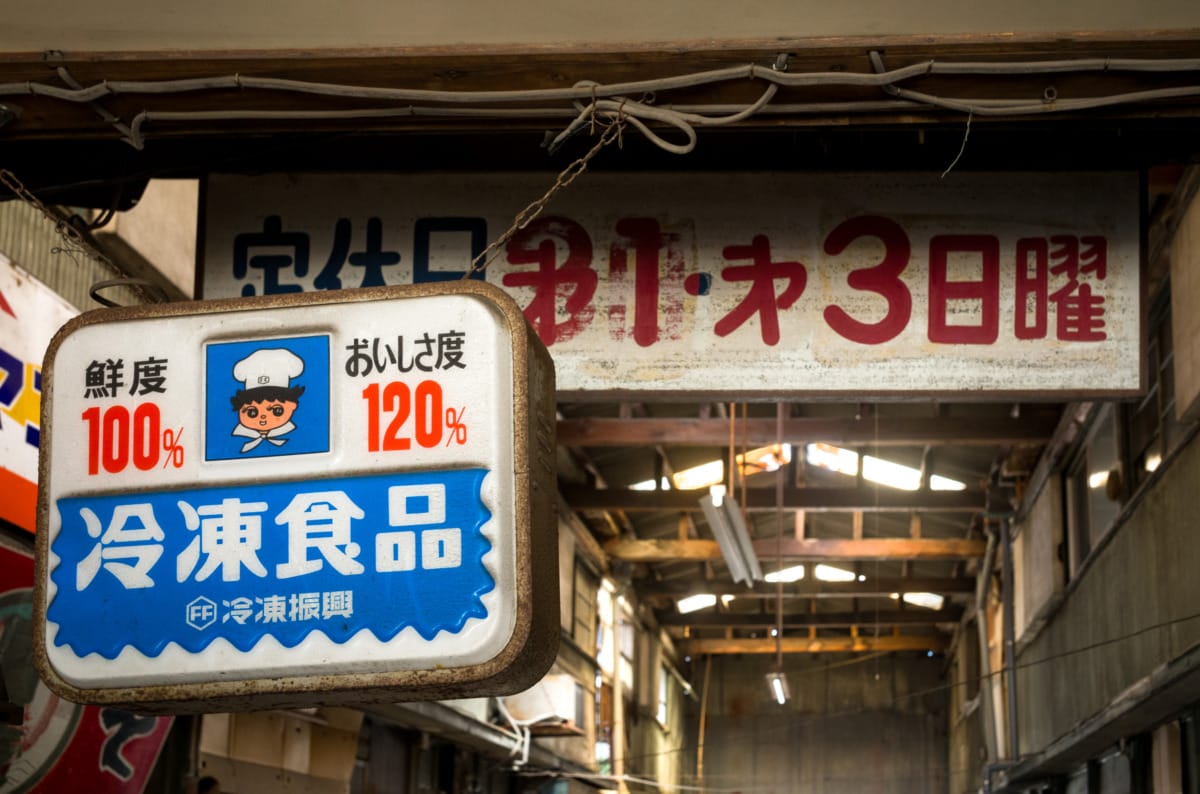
883	278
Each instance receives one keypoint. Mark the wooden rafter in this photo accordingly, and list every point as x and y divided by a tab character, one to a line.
903	642
872	588
763	499
891	617
892	431
673	550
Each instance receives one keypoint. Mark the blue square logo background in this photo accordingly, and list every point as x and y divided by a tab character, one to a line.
311	418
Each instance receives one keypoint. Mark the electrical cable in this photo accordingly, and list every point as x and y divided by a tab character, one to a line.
612	99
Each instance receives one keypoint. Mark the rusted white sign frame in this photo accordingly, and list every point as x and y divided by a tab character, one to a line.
491	438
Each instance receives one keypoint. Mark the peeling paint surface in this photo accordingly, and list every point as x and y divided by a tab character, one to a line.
813	284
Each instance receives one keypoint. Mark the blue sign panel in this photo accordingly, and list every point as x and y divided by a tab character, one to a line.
381	553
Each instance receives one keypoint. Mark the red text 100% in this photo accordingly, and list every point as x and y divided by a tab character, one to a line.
118	436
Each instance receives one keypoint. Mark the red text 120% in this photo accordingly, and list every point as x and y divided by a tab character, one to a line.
390	406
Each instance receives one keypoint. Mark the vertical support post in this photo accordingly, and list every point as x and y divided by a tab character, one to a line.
986	688
1010	642
618	729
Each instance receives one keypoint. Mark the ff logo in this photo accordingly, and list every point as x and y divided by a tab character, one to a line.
201	613
263	382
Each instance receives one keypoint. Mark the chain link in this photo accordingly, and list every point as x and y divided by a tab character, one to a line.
612	132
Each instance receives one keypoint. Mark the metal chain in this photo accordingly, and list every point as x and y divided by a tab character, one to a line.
74	244
612	132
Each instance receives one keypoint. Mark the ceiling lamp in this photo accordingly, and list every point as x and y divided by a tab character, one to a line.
777	683
728	527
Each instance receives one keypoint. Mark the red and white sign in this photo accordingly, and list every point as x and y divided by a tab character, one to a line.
64	746
30	313
808	284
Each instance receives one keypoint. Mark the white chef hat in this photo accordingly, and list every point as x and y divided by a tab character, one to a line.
268	367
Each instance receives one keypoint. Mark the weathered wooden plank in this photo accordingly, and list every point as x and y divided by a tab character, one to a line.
674	550
874	548
870	500
903	642
891	617
909	431
808	588
662	550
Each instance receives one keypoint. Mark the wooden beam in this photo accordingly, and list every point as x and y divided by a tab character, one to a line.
872	588
890	432
662	550
674	550
891	617
902	642
869	500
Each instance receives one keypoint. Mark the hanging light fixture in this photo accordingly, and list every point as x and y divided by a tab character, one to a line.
778	684
725	520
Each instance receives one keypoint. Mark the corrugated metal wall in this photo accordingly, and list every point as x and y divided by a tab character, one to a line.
30	240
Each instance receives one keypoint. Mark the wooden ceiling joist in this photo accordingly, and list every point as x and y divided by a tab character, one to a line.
903	642
674	550
868	500
872	588
890	432
891	617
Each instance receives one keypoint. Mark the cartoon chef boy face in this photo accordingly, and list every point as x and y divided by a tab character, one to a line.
266	406
267	414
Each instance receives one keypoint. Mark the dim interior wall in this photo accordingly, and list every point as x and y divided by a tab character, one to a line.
1185	311
874	725
656	749
311	751
1038	573
968	748
162	229
1144	577
566	578
136	25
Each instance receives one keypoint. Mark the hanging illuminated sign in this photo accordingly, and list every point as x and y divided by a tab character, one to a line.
333	498
831	284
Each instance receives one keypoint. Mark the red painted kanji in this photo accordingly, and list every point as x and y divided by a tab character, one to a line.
1079	313
1032	290
983	295
573	280
760	299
